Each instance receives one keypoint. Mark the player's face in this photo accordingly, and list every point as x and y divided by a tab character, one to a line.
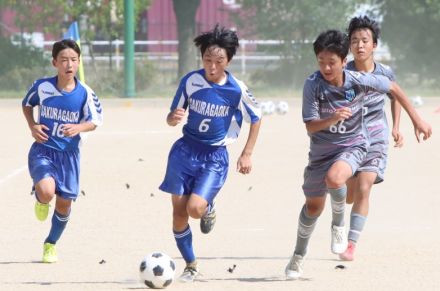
362	45
67	63
215	61
331	66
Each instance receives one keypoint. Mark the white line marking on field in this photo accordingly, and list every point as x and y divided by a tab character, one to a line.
13	174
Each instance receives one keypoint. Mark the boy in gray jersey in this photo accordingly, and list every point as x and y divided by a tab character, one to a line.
333	99
363	33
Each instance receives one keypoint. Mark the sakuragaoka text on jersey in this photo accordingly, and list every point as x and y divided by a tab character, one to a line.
208	109
59	115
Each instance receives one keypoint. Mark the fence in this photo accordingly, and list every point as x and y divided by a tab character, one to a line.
247	58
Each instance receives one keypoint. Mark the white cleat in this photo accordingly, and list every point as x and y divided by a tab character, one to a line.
339	239
294	268
189	273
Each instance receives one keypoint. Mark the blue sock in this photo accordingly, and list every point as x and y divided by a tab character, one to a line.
184	243
59	222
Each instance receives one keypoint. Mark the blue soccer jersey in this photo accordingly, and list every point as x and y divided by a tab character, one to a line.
216	111
321	99
58	107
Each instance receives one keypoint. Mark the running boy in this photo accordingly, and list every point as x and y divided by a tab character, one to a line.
198	162
332	111
66	108
363	34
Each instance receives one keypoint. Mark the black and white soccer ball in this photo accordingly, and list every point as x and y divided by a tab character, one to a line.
282	107
157	270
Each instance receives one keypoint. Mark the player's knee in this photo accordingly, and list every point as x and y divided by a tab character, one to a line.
335	179
196	210
44	195
314	209
364	190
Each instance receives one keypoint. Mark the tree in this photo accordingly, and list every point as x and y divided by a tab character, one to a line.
410	28
185	11
103	17
299	21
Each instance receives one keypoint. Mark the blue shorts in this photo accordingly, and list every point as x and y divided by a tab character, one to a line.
196	168
314	174
62	166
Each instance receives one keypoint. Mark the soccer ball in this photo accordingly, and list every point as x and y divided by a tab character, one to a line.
268	107
282	107
157	270
417	101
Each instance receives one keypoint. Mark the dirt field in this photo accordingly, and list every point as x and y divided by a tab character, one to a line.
257	214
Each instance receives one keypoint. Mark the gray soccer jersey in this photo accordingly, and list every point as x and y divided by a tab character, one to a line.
374	113
320	100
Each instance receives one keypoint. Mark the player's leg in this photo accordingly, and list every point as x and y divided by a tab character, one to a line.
351	188
42	171
211	178
359	212
60	218
183	236
67	188
308	216
336	178
315	191
44	193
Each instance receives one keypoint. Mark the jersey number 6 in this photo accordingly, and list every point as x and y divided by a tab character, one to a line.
204	125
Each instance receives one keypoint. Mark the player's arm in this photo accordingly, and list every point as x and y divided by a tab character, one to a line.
70	129
175	116
244	163
420	126
316	125
37	130
396	108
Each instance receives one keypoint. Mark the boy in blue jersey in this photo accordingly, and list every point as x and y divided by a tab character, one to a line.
332	112
363	34
216	103
67	107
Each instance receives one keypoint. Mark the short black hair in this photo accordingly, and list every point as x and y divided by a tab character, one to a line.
334	41
64	44
364	22
221	37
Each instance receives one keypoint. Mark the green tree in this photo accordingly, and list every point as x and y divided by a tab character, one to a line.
299	21
185	11
103	17
411	30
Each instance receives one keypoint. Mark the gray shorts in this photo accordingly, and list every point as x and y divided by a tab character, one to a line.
376	160
314	174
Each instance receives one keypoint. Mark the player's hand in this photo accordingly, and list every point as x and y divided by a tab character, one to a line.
424	128
176	116
38	133
398	138
341	114
244	164
70	130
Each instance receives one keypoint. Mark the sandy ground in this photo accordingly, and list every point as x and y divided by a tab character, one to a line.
257	214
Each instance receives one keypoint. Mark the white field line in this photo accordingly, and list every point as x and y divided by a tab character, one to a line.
13	174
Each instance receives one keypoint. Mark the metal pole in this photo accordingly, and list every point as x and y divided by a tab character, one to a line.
129	69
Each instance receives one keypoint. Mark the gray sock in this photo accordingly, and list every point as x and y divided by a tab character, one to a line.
357	223
306	225
338	205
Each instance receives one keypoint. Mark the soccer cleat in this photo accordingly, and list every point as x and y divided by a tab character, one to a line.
339	239
49	253
41	210
189	273
294	268
348	255
207	221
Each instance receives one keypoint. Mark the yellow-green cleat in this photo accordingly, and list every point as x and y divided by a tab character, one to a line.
49	253
41	210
